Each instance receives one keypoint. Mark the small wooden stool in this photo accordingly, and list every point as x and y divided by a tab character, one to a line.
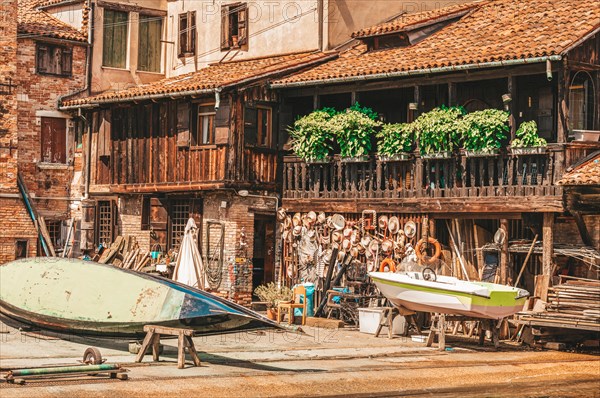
152	338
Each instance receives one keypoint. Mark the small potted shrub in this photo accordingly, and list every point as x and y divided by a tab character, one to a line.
272	295
483	132
395	142
311	138
353	130
527	141
438	132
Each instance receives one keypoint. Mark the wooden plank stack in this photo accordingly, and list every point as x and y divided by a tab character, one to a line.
125	253
572	304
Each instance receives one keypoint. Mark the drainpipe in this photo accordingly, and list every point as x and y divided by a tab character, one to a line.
321	19
217	98
88	157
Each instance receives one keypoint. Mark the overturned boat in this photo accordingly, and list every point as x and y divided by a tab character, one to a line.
449	295
83	297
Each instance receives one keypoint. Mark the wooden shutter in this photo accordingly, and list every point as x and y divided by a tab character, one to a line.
183	124
192	32
242	25
42	58
66	61
46	140
183	23
104	133
224	27
250	126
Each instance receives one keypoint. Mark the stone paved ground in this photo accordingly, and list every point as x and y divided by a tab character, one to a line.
320	362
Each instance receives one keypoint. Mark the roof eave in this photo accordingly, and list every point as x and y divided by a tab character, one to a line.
423	71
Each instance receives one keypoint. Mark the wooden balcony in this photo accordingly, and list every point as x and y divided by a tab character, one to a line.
499	183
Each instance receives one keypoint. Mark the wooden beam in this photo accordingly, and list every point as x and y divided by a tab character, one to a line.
586	238
454	205
512	105
548	243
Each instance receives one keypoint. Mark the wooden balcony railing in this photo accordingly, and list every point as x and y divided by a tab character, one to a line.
459	176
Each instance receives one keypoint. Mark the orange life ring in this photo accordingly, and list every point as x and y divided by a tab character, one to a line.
389	263
436	254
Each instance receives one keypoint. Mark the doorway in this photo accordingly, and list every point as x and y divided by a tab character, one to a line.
263	260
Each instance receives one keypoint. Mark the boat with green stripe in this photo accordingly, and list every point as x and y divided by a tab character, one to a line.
449	295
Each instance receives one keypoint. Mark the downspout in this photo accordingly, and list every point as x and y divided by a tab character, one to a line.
321	19
88	144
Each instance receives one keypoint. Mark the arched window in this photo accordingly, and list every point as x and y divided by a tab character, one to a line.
581	102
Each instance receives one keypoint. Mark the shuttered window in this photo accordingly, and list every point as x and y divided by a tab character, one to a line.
234	26
54	60
54	140
114	48
149	47
187	34
258	126
204	133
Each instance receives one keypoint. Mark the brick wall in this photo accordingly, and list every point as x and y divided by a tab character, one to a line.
566	231
238	215
15	225
8	103
38	92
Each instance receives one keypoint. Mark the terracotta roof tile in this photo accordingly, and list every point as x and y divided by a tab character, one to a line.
33	22
214	76
497	30
588	173
411	21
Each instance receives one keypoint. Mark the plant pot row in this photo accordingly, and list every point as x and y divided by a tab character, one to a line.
400	157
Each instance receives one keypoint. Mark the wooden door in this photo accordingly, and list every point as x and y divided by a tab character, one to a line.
54	140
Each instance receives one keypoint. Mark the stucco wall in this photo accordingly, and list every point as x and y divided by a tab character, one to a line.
106	78
273	28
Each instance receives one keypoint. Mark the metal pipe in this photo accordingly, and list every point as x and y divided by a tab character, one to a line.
443	69
88	160
63	369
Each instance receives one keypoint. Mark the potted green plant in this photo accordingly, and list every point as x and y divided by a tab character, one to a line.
353	131
311	138
528	141
438	132
483	132
395	142
272	295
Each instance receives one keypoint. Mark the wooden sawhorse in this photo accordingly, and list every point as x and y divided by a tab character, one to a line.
184	336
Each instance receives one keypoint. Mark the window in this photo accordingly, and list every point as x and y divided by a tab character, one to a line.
264	127
54	228
149	48
234	29
258	126
187	34
581	102
106	216
21	249
54	60
54	140
205	127
114	48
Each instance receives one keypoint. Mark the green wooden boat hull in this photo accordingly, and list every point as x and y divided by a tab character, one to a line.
82	297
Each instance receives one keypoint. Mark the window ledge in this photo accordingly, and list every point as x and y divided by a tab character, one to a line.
53	166
115	68
146	72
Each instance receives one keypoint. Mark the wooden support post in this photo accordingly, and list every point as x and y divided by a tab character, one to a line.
512	106
452	94
548	243
184	340
504	254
